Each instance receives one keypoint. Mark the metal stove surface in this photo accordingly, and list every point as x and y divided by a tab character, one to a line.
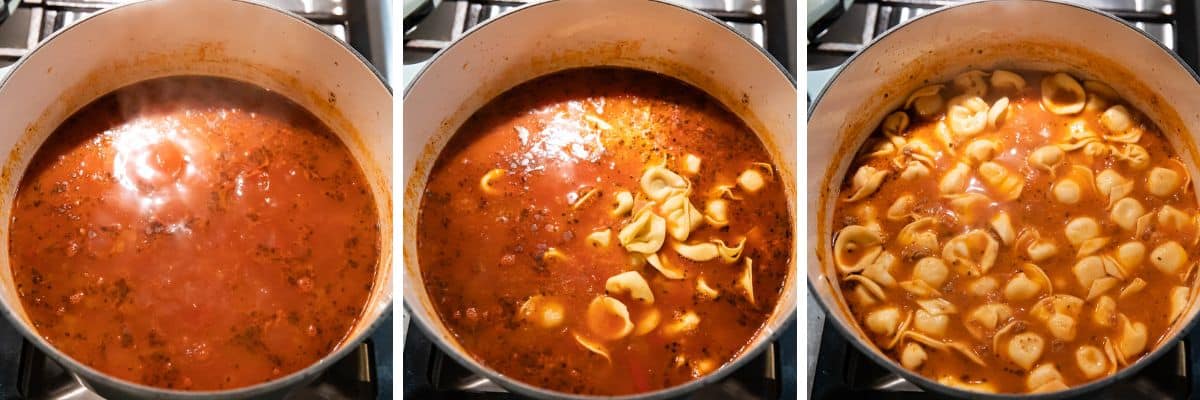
366	373
839	371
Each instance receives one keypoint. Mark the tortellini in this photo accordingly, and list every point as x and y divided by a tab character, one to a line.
913	356
1005	80
681	216
1113	186
901	208
986	318
1045	378
925	101
931	270
1046	158
972	253
1030	232
1126	212
608	318
855	248
1179	301
684	324
967	116
745	281
1169	257
1025	349
1027	284
1002	225
981	150
487	183
658	182
866	181
1131	338
895	123
1006	184
716	213
997	113
691	164
1091	361
1163	182
972	83
751	180
696	252
1062	94
544	311
600	238
955	181
623	203
920	234
645	234
1099	95
1081	229
630	282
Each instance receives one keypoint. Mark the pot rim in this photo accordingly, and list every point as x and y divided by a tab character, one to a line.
459	355
929	384
90	374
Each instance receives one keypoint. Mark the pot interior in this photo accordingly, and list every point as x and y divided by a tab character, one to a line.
176	37
547	37
938	46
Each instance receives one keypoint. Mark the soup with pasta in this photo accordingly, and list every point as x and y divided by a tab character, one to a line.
1016	232
604	231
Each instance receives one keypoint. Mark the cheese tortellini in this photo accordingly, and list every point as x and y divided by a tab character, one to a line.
1027	223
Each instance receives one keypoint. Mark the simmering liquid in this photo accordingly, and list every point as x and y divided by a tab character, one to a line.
194	233
581	233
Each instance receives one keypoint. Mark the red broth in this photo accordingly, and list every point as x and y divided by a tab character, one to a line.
565	145
194	233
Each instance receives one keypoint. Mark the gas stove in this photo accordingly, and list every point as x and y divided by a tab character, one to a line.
837	370
430	373
28	373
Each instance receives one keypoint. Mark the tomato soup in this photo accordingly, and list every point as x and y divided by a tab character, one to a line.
194	233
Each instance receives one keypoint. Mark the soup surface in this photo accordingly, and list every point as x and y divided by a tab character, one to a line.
1016	232
604	231
194	233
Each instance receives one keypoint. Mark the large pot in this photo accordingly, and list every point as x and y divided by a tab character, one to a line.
1044	35
541	38
235	39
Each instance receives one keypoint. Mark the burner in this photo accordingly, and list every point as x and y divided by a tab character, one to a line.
431	374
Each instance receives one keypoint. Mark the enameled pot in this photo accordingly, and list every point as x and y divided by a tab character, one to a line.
236	39
545	37
1010	34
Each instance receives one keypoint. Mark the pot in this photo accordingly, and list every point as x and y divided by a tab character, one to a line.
1051	36
545	37
240	39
